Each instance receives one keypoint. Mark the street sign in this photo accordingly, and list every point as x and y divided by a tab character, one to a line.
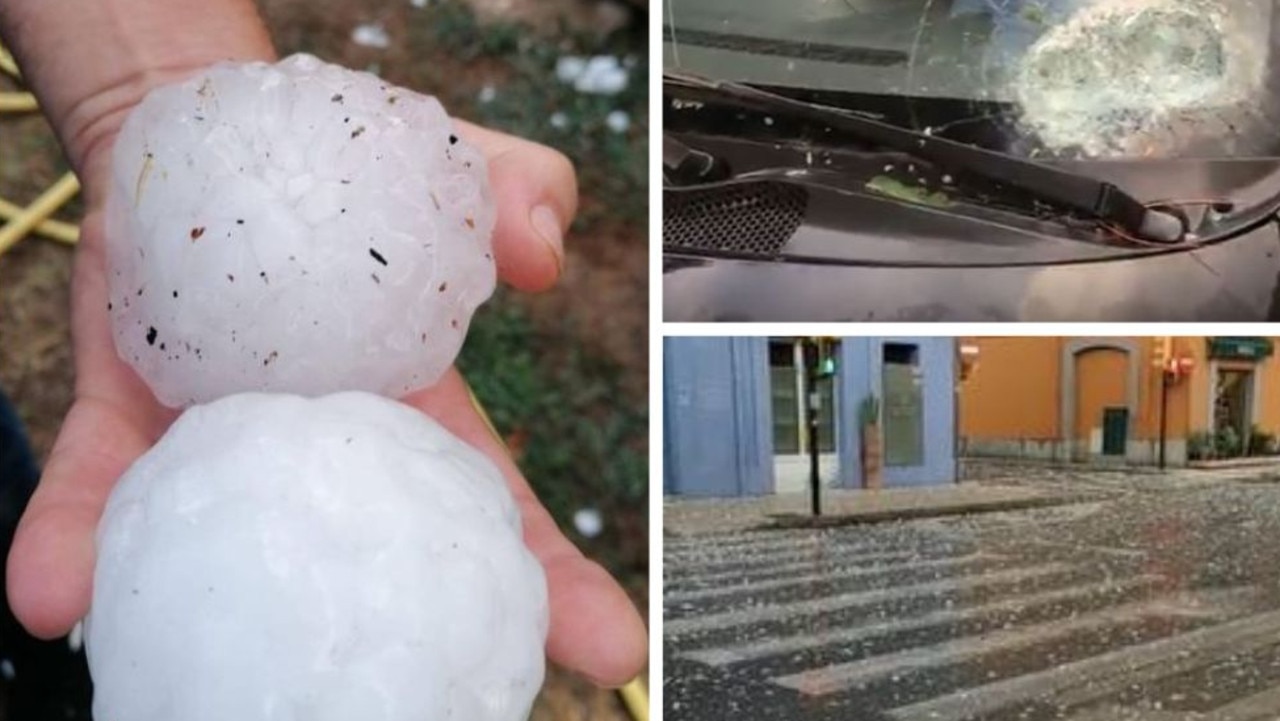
1226	348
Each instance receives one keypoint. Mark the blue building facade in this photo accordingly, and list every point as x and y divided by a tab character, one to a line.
733	413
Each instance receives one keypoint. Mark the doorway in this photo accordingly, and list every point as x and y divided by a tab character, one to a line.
787	393
1233	409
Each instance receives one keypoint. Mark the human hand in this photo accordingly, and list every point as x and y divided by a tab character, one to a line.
595	630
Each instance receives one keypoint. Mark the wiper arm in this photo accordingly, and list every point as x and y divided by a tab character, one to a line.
685	164
1095	198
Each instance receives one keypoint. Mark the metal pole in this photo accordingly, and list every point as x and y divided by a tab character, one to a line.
1164	415
811	408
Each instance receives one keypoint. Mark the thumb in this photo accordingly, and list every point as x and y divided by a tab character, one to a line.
536	192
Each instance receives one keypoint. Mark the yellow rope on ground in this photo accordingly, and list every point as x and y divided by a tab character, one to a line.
68	233
44	206
8	65
17	102
636	698
35	217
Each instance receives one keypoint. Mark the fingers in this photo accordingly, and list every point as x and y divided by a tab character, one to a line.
536	192
50	569
113	422
595	629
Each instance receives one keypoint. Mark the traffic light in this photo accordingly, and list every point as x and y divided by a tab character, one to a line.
826	350
1173	366
1163	352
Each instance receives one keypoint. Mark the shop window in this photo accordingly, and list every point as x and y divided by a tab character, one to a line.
902	411
784	384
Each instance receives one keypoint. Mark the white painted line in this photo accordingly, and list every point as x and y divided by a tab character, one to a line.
828	536
1261	706
871	560
844	676
732	589
1112	712
833	547
1095	678
831	553
741	540
726	655
674	628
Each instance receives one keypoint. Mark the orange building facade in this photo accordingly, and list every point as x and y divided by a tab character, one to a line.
1101	399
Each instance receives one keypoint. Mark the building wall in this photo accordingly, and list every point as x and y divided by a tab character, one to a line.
1013	395
717	420
791	472
717	438
1102	379
861	373
1269	389
1045	397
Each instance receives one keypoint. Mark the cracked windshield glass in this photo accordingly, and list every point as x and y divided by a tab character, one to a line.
1073	79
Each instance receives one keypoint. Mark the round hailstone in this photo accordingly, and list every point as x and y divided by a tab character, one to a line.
296	227
329	559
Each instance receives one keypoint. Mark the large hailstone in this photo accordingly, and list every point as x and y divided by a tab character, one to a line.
1146	77
296	227
330	559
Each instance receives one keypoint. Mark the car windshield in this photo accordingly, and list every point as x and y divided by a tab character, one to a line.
1068	78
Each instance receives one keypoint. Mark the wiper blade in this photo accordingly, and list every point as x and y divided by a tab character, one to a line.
1098	199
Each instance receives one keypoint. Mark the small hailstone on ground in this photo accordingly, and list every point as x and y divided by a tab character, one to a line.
588	521
570	67
371	35
296	227
330	559
598	75
618	121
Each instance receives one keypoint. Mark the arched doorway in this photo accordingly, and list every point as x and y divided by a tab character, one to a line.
1099	397
1102	412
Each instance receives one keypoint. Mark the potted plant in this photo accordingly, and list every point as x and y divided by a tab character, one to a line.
1201	447
872	449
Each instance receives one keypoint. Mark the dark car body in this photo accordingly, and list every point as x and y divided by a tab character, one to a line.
797	229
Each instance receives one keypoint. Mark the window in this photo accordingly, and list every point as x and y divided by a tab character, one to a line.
784	382
787	393
902	410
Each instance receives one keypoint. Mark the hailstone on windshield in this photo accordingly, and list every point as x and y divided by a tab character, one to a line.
330	559
1144	78
296	227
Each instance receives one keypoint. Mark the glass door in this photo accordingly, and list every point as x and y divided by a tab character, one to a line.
902	413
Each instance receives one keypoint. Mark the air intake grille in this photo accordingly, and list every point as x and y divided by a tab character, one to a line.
750	218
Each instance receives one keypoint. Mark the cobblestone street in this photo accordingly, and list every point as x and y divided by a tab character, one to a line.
1153	597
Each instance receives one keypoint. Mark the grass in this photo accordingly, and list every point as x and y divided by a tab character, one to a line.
578	436
568	422
526	94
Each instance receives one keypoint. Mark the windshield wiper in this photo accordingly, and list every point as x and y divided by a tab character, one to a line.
1097	199
684	164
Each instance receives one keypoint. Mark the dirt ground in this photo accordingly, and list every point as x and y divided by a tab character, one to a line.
602	301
